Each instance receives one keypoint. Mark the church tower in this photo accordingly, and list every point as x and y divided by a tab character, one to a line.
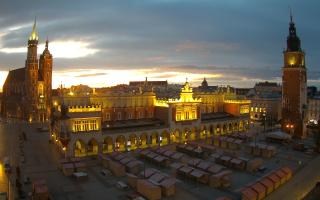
45	71
294	86
31	75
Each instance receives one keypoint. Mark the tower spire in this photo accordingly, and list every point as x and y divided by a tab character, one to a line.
293	41
47	43
290	10
34	33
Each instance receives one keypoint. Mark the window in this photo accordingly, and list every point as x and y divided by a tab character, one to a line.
140	115
119	116
130	116
108	116
193	114
187	115
151	114
178	116
85	125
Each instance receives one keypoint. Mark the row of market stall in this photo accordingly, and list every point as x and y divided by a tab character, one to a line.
258	149
153	185
220	179
236	162
121	163
161	156
40	190
71	166
266	185
195	150
227	142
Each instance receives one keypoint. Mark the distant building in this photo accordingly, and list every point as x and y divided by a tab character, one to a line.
27	91
266	87
312	91
313	114
266	108
149	83
265	102
129	119
243	91
294	89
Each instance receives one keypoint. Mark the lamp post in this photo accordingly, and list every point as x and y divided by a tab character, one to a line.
264	121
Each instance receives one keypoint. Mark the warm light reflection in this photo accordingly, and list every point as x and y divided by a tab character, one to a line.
1	171
3	75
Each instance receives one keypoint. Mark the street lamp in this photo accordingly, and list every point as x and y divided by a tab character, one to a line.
264	122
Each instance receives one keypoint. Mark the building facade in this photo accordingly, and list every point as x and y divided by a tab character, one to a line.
266	108
313	114
294	86
112	121
27	91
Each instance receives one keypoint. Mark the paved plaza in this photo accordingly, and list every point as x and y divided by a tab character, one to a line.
42	159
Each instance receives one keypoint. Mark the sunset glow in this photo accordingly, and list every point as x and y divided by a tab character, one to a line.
104	78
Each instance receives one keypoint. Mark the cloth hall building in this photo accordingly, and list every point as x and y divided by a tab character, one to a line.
124	119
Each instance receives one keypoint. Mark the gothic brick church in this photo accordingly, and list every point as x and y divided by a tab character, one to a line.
27	90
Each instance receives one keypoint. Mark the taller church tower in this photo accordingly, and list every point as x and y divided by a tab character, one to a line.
31	75
294	86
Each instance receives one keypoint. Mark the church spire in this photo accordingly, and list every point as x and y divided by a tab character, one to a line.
291	21
293	41
34	33
47	43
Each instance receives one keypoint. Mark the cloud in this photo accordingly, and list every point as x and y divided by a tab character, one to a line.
92	75
241	41
60	49
205	46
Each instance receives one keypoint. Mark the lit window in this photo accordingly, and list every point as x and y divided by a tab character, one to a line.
108	116
178	116
194	115
187	115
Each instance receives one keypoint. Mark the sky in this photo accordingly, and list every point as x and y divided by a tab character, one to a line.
108	42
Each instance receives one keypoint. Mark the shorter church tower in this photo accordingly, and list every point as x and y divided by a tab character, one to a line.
45	71
294	86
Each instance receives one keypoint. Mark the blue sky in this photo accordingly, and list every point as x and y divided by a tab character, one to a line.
103	43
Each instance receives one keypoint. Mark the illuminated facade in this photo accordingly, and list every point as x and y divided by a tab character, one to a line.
124	120
27	91
265	107
294	86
